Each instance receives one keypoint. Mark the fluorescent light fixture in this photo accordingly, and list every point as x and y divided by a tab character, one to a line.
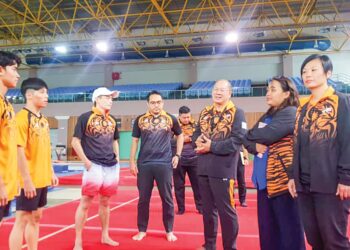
102	46
141	43
292	32
338	28
169	41
197	39
324	30
259	34
61	49
231	37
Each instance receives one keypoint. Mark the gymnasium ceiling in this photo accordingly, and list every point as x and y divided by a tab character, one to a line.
149	29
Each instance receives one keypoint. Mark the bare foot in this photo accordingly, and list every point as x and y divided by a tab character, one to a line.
139	236
109	241
78	246
171	237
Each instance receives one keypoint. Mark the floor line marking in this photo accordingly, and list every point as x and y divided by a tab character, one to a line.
152	231
88	219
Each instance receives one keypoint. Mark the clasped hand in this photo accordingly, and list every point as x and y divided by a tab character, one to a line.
203	144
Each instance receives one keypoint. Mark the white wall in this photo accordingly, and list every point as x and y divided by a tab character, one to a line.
258	69
341	63
248	104
154	72
72	75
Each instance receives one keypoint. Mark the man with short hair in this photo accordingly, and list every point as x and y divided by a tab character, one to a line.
218	139
187	163
95	141
155	161
9	77
34	164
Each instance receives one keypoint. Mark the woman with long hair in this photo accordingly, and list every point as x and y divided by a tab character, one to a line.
320	174
270	140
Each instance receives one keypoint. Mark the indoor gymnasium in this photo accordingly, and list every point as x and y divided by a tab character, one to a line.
174	124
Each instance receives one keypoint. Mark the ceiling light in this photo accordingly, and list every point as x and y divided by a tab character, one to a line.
61	49
39	50
197	39
169	41
259	34
102	46
338	28
231	37
324	30
141	43
74	47
292	32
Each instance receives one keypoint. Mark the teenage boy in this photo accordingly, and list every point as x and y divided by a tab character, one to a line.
8	148
34	164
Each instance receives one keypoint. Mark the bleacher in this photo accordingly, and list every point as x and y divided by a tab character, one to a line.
70	94
339	86
202	89
140	91
84	93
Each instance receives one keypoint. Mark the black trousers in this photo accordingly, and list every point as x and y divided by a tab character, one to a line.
325	219
145	180
279	222
179	185
217	198
242	190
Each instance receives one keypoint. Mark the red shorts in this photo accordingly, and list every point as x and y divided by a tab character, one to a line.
100	180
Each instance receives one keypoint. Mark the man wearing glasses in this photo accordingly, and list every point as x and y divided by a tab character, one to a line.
218	140
155	162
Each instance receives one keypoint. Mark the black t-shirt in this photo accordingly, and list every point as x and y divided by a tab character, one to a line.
156	134
97	134
304	147
304	157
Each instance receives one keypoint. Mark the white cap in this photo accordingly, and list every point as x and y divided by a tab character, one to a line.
104	91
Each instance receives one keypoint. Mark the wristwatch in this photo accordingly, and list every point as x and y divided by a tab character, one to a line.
178	156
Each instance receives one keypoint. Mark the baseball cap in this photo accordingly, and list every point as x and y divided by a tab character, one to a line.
104	91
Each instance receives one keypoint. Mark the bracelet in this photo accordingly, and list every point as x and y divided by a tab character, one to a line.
178	156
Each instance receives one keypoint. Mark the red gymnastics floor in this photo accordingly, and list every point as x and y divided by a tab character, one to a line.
127	179
57	226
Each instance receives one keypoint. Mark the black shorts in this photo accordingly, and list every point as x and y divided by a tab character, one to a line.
5	210
25	204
